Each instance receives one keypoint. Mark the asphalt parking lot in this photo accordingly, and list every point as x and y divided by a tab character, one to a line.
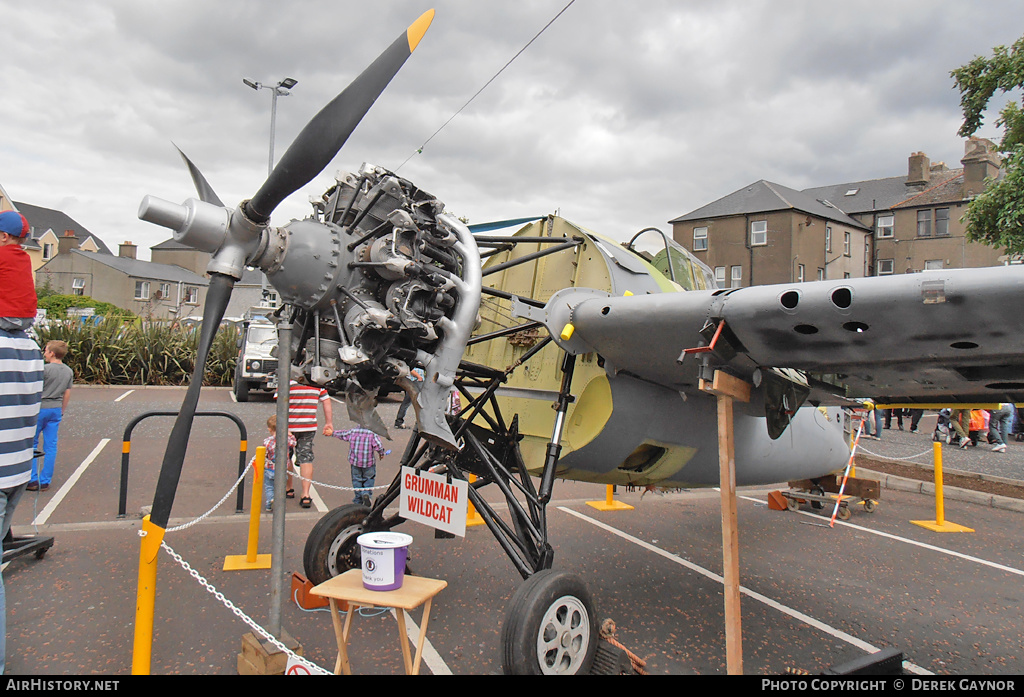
814	595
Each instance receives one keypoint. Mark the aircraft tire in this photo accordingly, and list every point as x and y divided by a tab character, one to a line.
331	547
550	627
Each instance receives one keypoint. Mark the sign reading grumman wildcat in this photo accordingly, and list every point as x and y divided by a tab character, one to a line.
434	500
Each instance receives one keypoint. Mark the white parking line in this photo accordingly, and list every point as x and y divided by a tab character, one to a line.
906	540
124	395
832	631
318	502
59	496
431	658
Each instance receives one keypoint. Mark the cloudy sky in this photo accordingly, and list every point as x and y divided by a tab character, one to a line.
621	115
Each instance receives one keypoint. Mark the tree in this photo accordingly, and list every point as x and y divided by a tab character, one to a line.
996	217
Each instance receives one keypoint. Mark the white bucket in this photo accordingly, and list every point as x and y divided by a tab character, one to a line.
383	557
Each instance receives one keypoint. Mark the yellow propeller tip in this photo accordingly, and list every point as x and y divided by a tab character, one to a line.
418	28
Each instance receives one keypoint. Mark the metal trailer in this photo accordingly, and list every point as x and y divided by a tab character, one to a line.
824	491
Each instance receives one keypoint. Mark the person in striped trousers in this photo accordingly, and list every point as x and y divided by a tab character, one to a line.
21	381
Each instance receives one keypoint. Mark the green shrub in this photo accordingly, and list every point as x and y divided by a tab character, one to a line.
115	352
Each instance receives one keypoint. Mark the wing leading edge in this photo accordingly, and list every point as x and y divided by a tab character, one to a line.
932	337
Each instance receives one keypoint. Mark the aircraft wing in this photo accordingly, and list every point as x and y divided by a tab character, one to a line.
931	337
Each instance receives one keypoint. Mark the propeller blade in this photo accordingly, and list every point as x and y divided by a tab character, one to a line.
206	192
217	297
323	136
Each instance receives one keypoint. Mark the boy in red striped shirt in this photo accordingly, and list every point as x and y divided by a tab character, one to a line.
303	400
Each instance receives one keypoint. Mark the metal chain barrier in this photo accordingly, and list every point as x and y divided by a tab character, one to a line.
889	457
219	503
210	588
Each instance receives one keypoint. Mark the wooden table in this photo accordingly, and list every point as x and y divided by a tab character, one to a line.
348	587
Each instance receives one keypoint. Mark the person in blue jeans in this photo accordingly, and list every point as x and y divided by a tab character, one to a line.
57	381
270	443
1000	425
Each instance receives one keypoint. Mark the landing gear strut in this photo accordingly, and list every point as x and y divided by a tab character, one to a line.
550	627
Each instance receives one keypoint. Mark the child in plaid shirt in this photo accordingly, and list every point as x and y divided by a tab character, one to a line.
270	443
362	444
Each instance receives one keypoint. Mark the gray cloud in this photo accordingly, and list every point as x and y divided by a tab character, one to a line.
621	115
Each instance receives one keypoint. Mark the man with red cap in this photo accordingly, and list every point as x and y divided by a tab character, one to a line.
17	289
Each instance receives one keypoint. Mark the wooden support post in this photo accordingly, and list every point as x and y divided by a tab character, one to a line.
728	389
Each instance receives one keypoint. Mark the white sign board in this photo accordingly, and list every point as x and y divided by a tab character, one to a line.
299	666
434	501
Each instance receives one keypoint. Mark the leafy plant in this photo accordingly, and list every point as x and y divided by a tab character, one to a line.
116	352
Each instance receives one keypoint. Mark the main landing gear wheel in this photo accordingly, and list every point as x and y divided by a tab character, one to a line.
550	628
331	548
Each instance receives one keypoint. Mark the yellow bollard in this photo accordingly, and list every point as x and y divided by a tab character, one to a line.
939	524
609	504
473	518
142	651
252	560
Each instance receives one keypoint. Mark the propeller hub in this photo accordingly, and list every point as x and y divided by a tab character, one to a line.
230	237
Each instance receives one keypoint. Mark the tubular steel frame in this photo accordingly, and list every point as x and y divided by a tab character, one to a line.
492	453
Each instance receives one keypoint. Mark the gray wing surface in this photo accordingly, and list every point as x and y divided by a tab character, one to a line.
931	337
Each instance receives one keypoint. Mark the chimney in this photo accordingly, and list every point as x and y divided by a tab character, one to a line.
981	161
126	250
918	171
67	242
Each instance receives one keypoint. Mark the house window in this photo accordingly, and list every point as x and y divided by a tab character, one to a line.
884	226
47	251
78	286
800	273
758	233
934	265
828	239
942	222
191	295
885	267
720	276
924	223
142	290
700	239
737	276
846	244
821	274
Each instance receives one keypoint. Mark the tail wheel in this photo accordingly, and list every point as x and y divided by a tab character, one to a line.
331	548
550	628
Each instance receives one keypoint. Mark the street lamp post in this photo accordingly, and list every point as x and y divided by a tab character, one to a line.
278	90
